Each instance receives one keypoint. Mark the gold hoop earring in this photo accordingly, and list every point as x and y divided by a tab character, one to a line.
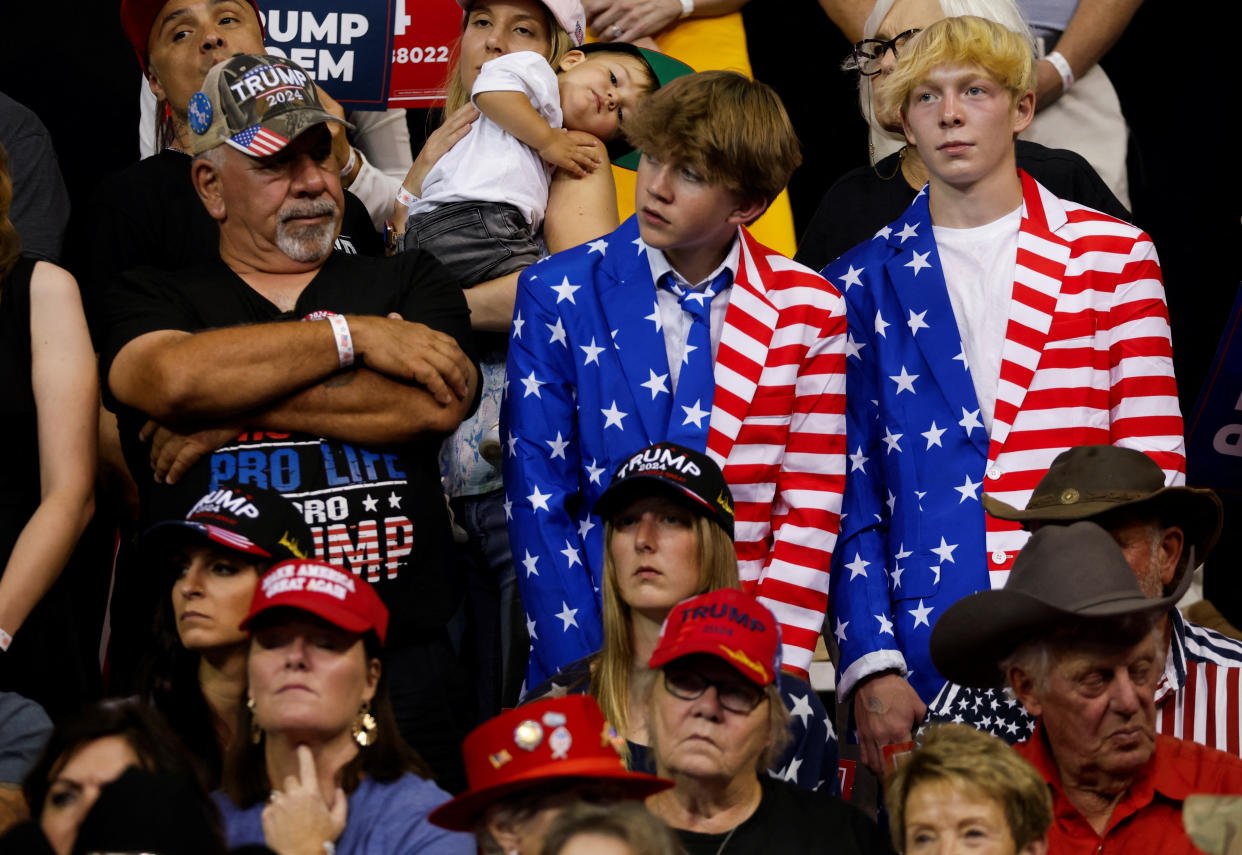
364	727
256	732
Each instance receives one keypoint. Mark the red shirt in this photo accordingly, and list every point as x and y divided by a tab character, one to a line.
1149	816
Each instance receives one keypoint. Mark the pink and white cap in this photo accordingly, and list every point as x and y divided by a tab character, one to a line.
568	13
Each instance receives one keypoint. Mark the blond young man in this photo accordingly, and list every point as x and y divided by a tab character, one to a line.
991	306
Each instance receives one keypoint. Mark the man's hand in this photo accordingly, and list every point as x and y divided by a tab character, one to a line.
408	352
173	452
572	151
1048	85
298	821
886	711
340	142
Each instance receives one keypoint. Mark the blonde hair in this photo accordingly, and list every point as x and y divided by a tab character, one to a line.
964	40
974	762
729	129
456	95
610	682
10	240
1003	12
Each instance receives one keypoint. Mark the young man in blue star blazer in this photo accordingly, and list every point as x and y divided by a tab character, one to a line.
679	326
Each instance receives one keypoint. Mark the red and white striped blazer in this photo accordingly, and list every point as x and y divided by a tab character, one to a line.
1087	357
778	428
582	356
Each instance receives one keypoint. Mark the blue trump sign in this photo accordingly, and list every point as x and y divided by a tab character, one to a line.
1214	432
345	45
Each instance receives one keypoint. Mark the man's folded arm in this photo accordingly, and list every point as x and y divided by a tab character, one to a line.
177	377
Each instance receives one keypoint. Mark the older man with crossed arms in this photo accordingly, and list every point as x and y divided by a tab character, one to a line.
1163	531
1075	638
282	364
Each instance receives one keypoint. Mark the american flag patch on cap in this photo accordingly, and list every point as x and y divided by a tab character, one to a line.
259	141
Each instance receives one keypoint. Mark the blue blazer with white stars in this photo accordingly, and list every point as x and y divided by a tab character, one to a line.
587	386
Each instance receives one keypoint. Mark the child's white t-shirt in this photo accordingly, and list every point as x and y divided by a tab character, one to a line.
979	266
489	164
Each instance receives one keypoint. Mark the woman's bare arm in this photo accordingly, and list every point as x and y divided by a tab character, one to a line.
66	399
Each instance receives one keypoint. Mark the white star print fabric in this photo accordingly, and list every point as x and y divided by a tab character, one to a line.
1085	359
590	386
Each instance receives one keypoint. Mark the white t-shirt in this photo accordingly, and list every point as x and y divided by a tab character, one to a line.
978	267
489	164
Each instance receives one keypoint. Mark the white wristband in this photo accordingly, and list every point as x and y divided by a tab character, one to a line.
405	197
5	640
344	341
687	7
351	163
1061	64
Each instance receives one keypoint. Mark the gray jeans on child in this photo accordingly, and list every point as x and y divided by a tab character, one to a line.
477	241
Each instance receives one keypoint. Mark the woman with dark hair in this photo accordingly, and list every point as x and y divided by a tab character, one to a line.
86	751
321	760
49	414
668	535
210	562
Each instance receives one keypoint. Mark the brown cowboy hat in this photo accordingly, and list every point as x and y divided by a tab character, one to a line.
1064	575
1094	479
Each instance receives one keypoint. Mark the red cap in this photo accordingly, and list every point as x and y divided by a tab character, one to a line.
728	624
556	738
138	17
339	597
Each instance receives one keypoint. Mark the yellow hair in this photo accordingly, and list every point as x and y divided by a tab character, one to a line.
964	40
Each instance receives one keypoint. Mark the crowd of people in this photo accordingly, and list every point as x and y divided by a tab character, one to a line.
454	512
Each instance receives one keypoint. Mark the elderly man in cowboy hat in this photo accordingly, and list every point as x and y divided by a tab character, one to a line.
1076	639
1159	529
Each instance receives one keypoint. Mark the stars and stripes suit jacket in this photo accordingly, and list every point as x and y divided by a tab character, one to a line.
586	388
1199	696
1086	360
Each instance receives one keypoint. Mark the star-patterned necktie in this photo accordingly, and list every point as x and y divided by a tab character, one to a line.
696	384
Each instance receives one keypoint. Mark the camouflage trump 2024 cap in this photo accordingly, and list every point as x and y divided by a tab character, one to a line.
257	104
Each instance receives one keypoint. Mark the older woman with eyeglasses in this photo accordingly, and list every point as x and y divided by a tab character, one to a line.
866	199
715	719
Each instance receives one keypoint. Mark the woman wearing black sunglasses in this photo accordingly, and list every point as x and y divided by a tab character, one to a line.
715	719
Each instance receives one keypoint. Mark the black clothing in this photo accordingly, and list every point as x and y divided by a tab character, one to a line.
790	819
368	509
53	636
40	207
379	513
150	214
861	202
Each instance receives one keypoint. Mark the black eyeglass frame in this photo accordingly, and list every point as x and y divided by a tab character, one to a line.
881	47
717	684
